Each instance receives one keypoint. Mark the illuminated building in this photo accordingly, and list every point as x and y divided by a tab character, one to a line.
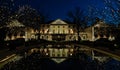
60	30
99	30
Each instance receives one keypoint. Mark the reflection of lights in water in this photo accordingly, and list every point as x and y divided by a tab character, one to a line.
46	53
7	44
58	60
70	54
115	45
58	45
58	36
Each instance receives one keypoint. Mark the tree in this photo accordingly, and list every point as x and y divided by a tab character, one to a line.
113	6
109	13
77	17
5	11
28	16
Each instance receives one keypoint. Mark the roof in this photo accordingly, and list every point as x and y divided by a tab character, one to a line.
100	24
58	21
15	23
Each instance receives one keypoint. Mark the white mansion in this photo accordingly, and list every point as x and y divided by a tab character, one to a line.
58	30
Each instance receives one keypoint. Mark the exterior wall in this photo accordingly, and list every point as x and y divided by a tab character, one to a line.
71	37
14	33
46	31
84	36
12	37
88	31
99	30
46	37
29	34
59	27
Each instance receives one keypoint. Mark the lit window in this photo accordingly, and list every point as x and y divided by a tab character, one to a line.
53	31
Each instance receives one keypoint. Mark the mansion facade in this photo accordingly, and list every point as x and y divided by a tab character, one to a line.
60	30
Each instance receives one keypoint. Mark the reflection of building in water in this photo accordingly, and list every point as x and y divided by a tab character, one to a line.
54	52
59	30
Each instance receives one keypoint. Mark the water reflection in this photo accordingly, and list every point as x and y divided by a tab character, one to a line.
42	59
55	52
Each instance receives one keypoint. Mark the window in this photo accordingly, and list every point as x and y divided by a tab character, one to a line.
58	31
53	31
84	37
63	31
69	31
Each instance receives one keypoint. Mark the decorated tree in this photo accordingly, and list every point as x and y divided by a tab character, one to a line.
6	7
28	16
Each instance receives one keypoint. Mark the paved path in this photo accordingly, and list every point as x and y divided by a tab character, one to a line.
4	53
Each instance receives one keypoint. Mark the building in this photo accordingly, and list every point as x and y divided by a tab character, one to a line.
60	30
99	30
14	30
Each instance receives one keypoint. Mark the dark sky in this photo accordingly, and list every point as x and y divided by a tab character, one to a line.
59	8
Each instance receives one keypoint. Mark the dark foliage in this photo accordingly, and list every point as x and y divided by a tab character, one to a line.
104	42
13	44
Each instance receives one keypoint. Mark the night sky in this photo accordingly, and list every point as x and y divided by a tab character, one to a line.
59	8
